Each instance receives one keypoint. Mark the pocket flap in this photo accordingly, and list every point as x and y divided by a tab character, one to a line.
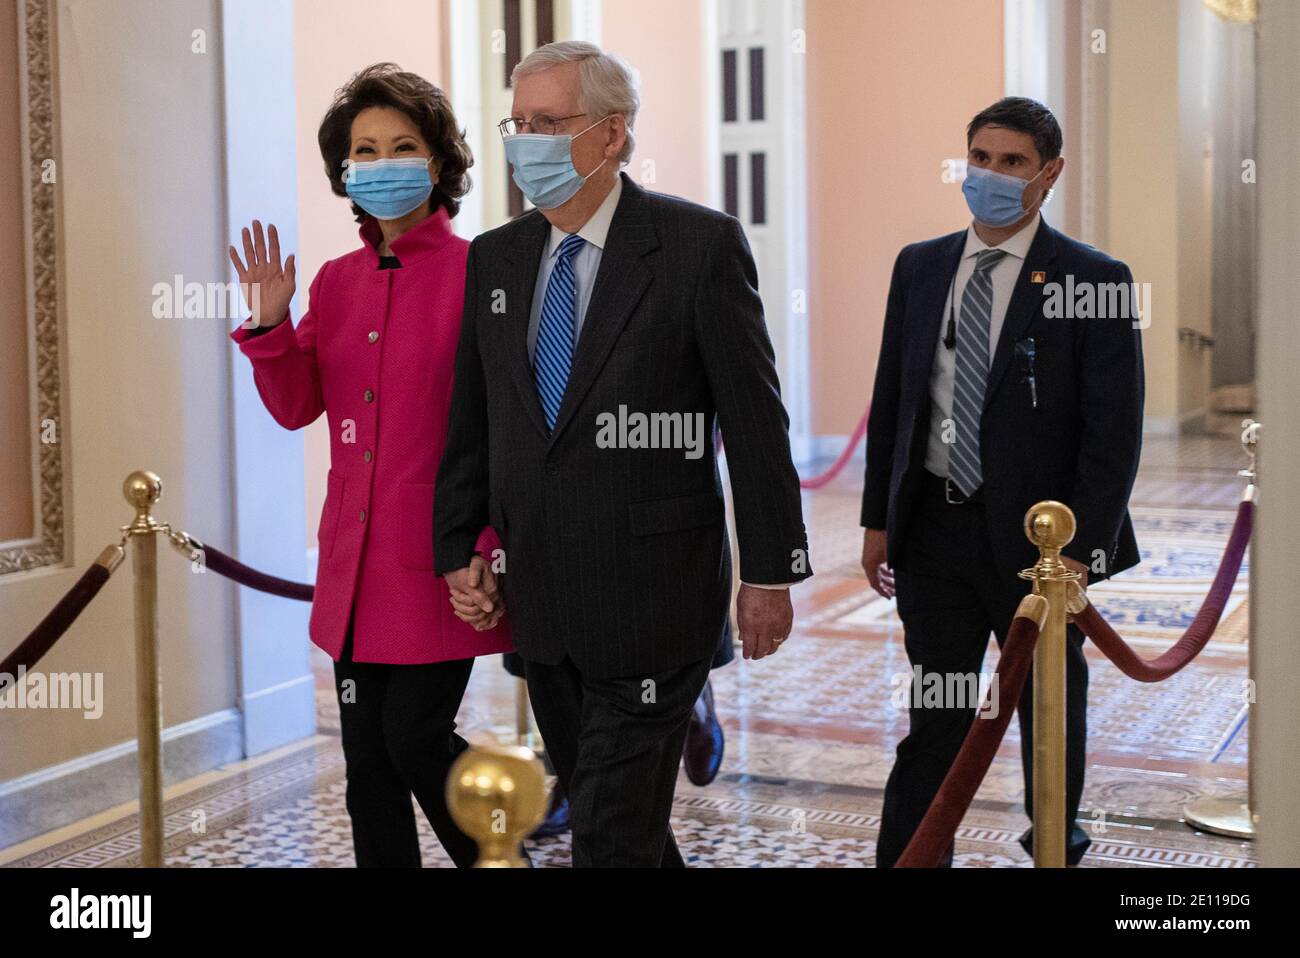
648	517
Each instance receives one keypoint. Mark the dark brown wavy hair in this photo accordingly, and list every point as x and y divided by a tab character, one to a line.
386	84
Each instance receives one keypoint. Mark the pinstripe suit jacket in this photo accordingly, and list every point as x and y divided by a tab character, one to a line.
618	557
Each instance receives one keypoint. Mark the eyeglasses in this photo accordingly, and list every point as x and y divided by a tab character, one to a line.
543	124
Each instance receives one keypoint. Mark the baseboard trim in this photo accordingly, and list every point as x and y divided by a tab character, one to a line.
1193	421
50	798
280	714
821	448
1160	426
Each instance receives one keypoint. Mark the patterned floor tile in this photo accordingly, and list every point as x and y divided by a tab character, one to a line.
810	736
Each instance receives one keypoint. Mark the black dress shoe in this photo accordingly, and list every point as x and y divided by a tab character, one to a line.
702	755
556	821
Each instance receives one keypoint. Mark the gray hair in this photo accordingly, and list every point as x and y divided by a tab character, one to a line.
609	84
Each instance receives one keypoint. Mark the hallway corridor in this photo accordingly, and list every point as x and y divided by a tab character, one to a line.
810	734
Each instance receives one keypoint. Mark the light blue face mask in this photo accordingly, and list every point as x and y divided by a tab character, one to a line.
389	189
995	198
543	166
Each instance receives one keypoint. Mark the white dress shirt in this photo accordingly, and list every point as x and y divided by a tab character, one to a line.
1003	277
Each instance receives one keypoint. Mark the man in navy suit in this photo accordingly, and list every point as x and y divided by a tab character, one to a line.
1010	372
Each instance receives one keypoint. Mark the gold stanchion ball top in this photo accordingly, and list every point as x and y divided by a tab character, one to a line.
142	488
1050	525
497	791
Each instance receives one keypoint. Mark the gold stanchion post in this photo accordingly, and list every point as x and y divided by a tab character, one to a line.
142	489
497	795
1050	526
523	724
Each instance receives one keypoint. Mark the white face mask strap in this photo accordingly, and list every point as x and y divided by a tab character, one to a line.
1028	183
587	176
593	126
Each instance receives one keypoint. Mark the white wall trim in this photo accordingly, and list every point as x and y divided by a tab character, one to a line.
465	79
712	105
585	20
266	461
1274	600
797	387
829	446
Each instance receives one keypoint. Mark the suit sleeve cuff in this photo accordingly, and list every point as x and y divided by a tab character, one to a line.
263	343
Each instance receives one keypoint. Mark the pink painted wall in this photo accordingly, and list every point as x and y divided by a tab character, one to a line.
891	87
666	43
331	42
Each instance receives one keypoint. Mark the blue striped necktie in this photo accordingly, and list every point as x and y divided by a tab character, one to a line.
970	379
553	351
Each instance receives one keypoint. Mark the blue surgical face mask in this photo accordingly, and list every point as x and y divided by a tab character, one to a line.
995	198
389	189
543	166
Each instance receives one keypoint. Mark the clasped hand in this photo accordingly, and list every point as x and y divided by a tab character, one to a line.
475	597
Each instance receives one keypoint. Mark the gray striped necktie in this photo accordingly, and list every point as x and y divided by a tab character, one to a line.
972	374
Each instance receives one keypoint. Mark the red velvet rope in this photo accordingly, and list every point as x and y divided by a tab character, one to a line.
232	568
932	837
931	840
1197	634
56	623
816	482
51	628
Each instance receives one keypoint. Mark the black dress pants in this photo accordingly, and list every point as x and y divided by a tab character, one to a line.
722	655
399	738
951	595
616	745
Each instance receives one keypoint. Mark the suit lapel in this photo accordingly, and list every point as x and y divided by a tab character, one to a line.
1026	302
620	283
524	258
932	312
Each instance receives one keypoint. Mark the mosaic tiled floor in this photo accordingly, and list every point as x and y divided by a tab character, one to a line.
810	734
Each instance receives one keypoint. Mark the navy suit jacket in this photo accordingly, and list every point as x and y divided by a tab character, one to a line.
1080	445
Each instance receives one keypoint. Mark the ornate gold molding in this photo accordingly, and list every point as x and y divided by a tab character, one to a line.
38	106
1237	11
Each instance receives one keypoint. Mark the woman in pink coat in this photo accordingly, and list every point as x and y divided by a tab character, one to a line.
374	352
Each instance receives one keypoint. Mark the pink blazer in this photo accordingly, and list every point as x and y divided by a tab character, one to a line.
375	353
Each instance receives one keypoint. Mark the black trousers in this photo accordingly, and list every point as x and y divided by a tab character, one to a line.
616	745
951	595
722	655
399	738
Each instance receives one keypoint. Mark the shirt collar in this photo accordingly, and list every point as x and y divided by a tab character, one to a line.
1017	245
421	239
596	230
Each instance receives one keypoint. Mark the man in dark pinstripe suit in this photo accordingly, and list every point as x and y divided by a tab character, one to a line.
607	304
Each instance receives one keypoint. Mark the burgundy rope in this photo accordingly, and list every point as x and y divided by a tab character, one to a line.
859	431
232	568
1197	634
52	627
932	837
